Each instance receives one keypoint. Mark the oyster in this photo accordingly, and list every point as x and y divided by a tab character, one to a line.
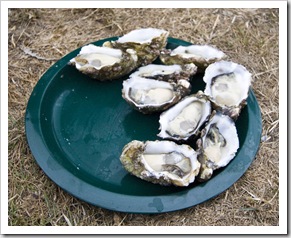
150	95
217	146
162	162
147	42
166	72
104	63
185	119
200	55
227	85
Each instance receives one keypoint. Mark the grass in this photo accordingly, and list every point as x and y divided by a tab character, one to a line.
38	37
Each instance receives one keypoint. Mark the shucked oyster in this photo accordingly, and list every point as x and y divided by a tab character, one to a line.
217	146
200	55
104	63
166	72
185	119
162	162
150	95
227	85
147	42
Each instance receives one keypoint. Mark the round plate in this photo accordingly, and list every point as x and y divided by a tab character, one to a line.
76	128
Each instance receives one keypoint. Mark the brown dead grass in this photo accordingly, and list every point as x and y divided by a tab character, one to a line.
39	37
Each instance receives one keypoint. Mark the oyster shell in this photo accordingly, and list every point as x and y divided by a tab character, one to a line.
185	119
227	85
217	146
150	95
103	63
166	72
161	162
200	55
147	42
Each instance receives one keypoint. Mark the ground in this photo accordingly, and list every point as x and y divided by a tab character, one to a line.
39	37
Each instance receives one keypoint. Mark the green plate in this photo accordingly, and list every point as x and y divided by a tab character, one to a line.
76	128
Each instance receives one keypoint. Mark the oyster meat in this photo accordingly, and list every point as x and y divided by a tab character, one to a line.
227	85
217	146
147	42
200	55
166	72
161	162
185	119
150	95
103	63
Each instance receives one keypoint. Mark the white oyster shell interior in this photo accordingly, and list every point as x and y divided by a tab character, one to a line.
156	69
144	92
220	142
206	52
97	57
144	35
184	119
227	83
165	158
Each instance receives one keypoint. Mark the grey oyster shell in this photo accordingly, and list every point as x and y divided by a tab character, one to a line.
217	145
201	55
227	86
184	120
161	162
147	42
103	63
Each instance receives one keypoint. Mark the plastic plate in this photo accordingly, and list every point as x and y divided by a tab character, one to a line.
76	128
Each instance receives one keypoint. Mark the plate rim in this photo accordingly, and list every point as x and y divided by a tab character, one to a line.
135	203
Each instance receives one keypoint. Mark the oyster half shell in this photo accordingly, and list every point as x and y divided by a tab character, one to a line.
103	63
185	119
147	42
227	85
150	95
167	73
200	55
161	162
217	146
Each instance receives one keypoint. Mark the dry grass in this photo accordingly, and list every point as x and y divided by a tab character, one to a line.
39	37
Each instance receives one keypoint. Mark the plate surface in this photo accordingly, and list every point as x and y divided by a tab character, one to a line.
76	128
